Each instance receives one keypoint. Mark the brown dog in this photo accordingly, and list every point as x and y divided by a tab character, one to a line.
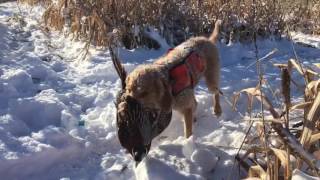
166	84
150	83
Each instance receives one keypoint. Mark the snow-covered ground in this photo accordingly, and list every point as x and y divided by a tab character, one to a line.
47	93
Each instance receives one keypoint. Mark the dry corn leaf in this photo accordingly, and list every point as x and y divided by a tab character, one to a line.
306	137
276	167
257	171
312	117
282	155
266	120
280	65
314	138
317	64
299	68
255	92
283	133
250	92
314	113
312	88
261	131
300	106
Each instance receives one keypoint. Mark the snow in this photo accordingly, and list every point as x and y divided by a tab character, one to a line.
205	159
299	175
313	41
48	90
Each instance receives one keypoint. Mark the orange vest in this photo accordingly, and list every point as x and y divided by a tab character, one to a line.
186	73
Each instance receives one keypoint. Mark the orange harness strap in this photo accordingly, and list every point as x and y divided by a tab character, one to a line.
185	74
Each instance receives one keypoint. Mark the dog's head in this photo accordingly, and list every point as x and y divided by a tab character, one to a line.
137	124
146	84
133	134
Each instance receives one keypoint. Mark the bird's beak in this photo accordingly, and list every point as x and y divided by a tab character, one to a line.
142	157
137	163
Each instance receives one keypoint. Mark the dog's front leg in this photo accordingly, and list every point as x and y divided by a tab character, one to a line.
188	120
217	107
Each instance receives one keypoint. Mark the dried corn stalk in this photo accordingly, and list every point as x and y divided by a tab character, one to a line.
255	93
286	87
284	134
315	137
281	155
258	171
309	124
312	89
306	73
302	105
317	64
286	95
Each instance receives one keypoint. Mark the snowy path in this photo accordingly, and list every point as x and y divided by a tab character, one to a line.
44	97
46	91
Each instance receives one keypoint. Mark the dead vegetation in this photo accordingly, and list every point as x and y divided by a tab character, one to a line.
178	20
280	145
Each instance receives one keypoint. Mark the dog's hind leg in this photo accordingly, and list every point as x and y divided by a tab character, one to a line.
213	87
212	77
188	120
194	109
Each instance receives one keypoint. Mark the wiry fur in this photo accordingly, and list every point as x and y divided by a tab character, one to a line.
150	85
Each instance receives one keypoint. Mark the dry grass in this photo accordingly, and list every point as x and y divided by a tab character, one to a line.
178	20
288	148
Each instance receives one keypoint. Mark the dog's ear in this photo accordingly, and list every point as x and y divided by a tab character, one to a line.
167	99
119	68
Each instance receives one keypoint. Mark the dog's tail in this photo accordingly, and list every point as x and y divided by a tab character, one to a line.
215	34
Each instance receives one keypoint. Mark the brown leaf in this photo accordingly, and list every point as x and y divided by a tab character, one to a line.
312	88
280	65
317	64
310	121
300	106
314	138
257	171
282	155
300	69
